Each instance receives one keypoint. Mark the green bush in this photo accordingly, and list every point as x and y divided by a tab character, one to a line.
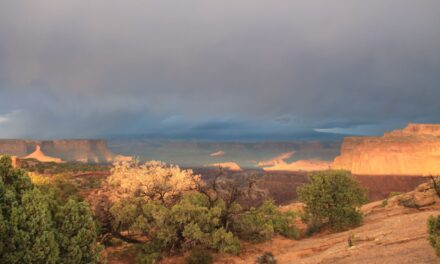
199	256
262	223
192	223
434	233
36	227
150	258
408	202
332	199
177	219
225	241
148	253
188	224
266	258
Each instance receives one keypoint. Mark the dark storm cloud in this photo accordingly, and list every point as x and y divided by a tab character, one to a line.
220	69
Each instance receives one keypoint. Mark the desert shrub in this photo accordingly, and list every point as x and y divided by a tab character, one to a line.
33	165
225	241
408	202
199	256
260	224
188	224
312	226
434	233
435	181
148	253
266	258
392	194
332	199
192	223
284	224
178	212
36	227
352	240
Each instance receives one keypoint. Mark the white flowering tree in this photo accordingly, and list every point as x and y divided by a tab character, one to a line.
152	180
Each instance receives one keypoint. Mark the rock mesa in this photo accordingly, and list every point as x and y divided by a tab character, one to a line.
412	151
82	150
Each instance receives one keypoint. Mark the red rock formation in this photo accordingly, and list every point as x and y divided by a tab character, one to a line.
300	165
82	150
415	150
40	156
16	147
232	166
279	164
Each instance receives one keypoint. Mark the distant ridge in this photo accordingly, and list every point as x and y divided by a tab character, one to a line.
81	150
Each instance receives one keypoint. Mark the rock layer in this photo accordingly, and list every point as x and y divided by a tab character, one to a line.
232	166
414	150
279	164
82	150
40	156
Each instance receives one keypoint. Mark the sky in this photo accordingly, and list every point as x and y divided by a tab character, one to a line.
220	70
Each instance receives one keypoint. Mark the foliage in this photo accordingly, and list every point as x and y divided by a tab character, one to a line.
188	215
260	224
434	233
331	199
390	195
148	253
36	227
266	258
148	258
436	184
408	202
153	180
191	223
76	233
225	241
185	225
199	256
33	165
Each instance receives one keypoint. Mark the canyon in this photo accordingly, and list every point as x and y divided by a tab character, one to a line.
79	150
414	150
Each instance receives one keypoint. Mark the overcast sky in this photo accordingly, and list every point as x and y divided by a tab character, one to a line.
217	69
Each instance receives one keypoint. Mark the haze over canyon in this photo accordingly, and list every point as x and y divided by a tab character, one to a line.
412	151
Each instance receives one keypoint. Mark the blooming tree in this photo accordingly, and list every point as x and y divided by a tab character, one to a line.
152	180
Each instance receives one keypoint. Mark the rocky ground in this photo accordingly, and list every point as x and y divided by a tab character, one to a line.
391	233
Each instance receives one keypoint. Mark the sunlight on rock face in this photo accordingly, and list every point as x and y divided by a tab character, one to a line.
414	150
40	156
233	166
279	164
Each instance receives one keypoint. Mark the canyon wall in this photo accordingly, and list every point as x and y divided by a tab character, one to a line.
82	150
414	150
